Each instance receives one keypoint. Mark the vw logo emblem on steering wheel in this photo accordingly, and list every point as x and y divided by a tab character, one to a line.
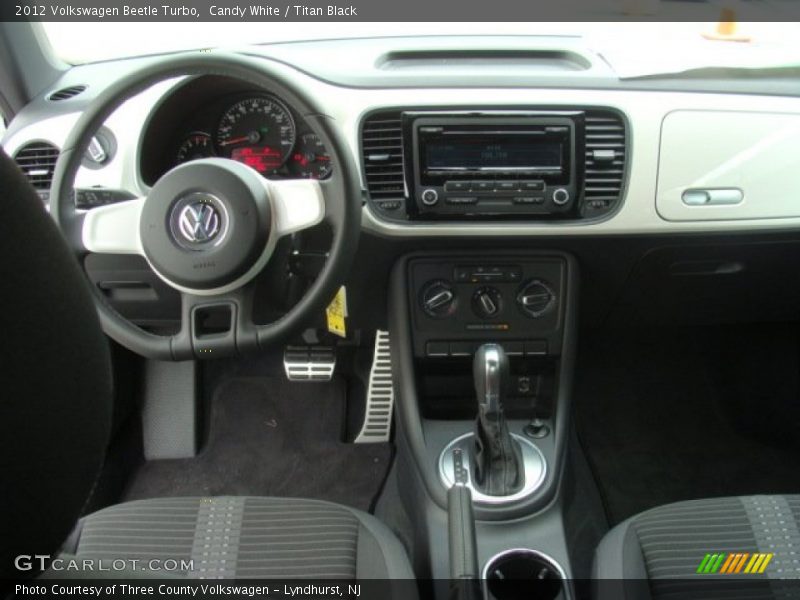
197	220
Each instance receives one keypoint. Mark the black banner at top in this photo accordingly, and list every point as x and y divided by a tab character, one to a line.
397	10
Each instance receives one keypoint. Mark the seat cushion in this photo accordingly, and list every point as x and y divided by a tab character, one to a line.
247	537
668	543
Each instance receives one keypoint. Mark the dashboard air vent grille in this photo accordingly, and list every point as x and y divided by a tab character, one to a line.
66	93
606	156
38	161
382	148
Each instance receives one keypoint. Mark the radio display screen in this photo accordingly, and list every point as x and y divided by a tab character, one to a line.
484	153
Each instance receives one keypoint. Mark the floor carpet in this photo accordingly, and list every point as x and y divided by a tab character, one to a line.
671	415
270	437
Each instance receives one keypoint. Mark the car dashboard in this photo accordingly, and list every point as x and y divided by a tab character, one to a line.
673	153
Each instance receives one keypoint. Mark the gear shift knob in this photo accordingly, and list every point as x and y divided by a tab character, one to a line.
490	373
496	457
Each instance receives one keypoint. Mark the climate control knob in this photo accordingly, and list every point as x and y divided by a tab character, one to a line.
487	302
438	299
535	298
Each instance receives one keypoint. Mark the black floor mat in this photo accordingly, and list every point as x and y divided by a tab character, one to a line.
270	437
663	415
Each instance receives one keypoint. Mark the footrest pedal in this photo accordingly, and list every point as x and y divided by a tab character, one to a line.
377	425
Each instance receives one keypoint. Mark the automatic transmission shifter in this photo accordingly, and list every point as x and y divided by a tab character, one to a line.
497	459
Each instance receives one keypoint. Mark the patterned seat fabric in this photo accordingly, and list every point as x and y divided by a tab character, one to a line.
246	537
741	547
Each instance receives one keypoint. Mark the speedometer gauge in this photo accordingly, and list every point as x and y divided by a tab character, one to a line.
258	132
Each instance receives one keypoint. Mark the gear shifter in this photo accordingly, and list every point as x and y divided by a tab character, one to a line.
497	459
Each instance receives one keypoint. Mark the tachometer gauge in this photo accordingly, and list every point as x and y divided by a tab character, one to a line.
310	159
197	145
258	132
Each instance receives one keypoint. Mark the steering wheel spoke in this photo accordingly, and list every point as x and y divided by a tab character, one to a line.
216	326
297	204
114	229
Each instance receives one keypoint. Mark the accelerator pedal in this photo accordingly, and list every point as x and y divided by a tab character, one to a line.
380	395
309	363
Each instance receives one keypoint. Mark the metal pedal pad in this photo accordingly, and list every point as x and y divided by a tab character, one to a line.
380	395
309	363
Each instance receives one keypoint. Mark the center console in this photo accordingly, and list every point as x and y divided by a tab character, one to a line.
483	342
483	348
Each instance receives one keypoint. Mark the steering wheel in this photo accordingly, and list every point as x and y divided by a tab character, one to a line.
208	227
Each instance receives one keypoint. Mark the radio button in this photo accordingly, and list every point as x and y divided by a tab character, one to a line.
528	199
532	186
461	200
506	186
483	186
430	197
560	197
457	186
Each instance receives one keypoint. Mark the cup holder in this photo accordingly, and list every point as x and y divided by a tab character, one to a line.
523	574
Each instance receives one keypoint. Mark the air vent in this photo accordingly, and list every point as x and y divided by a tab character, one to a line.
606	157
38	161
66	93
382	147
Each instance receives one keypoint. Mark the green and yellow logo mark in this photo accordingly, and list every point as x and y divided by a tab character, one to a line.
734	562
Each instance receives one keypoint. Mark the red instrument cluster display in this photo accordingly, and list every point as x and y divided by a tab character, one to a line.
260	132
262	158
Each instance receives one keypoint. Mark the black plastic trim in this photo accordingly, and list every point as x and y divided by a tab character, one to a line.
410	418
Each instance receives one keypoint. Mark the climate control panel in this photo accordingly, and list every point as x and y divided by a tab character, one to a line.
458	303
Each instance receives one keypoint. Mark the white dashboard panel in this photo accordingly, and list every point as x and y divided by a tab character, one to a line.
754	154
645	111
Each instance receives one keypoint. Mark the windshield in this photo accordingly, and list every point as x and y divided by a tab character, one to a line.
660	47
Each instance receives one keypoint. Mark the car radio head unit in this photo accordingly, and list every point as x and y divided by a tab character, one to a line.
484	164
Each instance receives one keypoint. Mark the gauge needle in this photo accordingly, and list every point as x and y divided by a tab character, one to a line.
239	140
253	137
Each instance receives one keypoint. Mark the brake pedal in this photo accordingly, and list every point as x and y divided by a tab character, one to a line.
380	395
309	363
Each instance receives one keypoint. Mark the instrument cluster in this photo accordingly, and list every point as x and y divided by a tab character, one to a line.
256	129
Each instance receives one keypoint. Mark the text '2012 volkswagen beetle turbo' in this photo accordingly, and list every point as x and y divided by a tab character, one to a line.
459	310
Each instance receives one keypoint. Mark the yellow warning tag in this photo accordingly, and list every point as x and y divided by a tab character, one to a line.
337	312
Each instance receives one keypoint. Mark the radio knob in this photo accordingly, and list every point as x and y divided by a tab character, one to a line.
430	197
487	302
438	299
535	298
560	196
